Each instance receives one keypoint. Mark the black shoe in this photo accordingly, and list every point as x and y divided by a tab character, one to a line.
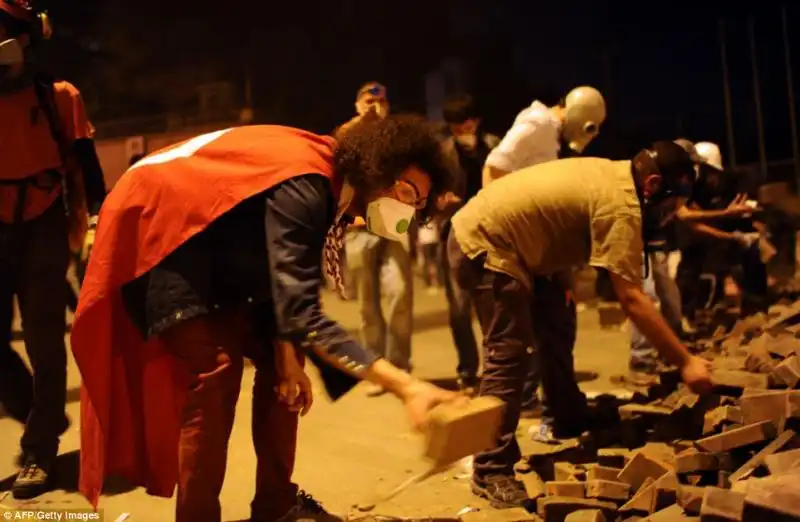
308	509
502	491
33	480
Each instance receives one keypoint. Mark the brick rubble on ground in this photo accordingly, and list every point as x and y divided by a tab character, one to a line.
731	456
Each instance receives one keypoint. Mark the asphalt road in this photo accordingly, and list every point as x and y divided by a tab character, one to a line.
347	452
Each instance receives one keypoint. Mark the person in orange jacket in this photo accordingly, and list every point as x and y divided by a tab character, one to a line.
50	179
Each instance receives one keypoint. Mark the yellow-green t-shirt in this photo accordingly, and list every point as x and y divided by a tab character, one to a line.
554	216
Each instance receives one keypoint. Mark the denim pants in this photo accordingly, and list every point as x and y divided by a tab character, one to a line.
661	287
517	322
381	269
460	308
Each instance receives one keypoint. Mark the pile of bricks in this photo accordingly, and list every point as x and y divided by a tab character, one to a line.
672	456
732	456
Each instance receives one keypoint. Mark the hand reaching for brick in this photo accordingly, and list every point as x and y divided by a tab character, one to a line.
696	373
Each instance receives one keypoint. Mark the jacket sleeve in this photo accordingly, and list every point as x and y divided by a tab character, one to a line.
299	213
93	179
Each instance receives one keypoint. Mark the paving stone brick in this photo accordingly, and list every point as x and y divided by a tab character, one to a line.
693	460
660	452
608	490
767	407
722	504
572	489
642	502
783	461
719	416
556	509
602	473
666	488
738	437
613	457
784	344
726	381
640	468
456	432
774	498
690	498
629	410
534	485
729	363
586	515
566	470
674	513
787	373
758	359
794	404
759	458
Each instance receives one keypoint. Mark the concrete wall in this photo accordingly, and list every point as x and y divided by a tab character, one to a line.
115	153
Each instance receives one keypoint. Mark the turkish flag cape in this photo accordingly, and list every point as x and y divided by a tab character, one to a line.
133	391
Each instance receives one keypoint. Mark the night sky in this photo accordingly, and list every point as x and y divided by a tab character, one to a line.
658	64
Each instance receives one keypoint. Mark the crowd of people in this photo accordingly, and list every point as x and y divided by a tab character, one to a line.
236	232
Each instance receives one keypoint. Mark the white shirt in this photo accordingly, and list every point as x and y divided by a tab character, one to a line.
533	138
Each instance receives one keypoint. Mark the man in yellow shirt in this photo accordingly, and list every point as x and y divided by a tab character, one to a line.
540	221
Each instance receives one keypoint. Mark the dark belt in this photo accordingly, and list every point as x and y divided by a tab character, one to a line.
11	236
45	180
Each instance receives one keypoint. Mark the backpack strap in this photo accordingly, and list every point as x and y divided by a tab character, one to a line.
44	87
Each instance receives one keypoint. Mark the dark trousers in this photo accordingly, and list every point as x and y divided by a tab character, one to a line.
34	256
719	260
16	382
516	322
460	306
213	349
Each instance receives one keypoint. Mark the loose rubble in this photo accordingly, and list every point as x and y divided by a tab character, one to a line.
733	456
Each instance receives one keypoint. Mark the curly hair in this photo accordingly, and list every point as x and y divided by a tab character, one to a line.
374	152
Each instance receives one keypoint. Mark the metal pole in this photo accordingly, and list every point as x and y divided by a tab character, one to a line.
762	151
726	89
790	87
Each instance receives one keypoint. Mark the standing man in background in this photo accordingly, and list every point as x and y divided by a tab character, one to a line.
50	180
381	268
541	134
469	146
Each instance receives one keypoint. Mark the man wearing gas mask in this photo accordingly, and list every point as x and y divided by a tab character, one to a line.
468	146
540	221
725	239
50	179
226	263
666	224
381	267
542	134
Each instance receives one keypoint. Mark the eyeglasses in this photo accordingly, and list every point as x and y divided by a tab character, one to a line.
408	193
